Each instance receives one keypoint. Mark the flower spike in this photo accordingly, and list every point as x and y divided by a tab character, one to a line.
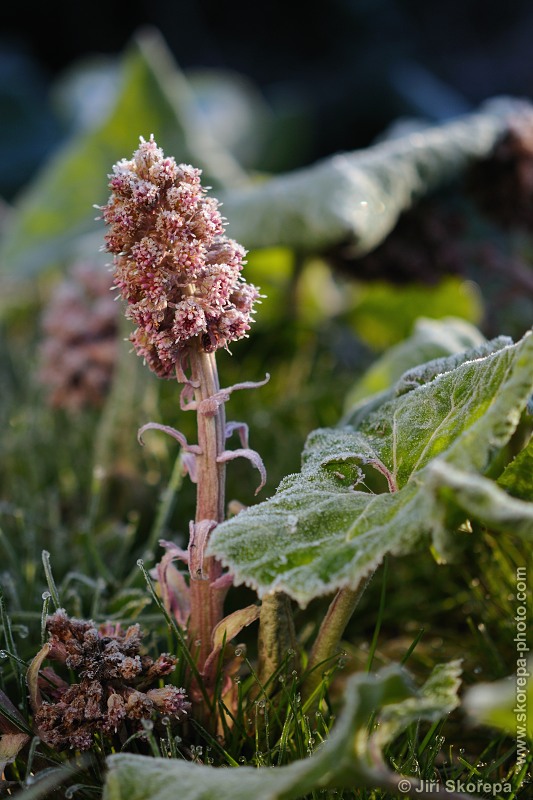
178	272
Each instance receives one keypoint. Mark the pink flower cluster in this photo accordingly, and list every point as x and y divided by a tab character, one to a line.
79	346
178	272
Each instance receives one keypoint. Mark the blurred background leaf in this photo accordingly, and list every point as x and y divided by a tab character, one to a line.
56	209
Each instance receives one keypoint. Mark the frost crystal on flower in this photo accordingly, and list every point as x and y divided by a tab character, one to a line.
178	272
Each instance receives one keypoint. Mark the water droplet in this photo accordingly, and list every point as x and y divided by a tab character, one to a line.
23	631
178	739
165	721
239	651
147	724
46	595
140	562
477	670
4	654
69	793
291	652
242	760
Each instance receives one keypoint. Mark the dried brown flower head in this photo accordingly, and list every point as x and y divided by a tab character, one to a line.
79	348
178	272
117	688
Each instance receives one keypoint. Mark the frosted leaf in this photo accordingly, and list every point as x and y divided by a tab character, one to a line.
432	445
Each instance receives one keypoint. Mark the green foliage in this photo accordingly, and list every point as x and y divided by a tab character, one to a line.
350	758
384	315
410	467
422	457
495	704
430	339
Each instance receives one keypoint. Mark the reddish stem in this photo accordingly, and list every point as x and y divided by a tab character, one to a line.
206	601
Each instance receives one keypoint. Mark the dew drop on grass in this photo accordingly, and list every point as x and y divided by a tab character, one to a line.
239	651
178	739
3	654
46	595
147	724
165	720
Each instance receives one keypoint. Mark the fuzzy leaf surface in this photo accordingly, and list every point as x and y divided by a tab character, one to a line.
422	449
346	759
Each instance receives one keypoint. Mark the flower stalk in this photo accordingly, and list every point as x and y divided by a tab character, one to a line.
181	279
206	599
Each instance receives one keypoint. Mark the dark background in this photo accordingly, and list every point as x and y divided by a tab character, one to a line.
346	67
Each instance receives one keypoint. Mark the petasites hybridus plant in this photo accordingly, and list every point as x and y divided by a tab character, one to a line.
408	466
181	278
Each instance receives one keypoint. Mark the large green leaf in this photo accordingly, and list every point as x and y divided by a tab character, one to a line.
357	197
57	207
349	759
407	470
